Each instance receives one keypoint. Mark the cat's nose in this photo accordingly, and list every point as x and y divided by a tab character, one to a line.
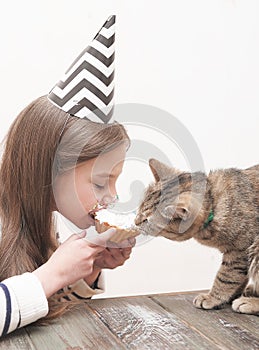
139	219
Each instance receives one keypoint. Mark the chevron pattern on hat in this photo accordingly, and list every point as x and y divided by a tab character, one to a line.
87	88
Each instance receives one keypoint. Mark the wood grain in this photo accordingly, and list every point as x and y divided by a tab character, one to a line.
167	321
228	330
142	324
16	340
78	329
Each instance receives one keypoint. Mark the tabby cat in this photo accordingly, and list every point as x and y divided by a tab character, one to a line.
220	210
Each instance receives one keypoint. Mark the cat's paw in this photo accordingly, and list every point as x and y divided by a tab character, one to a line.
246	305
206	301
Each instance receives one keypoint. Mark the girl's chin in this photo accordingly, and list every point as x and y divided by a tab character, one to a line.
88	222
85	223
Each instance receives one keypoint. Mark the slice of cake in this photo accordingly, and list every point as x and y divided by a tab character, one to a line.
124	224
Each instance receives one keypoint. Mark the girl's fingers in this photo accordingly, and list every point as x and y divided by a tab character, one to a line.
129	242
75	236
82	234
126	252
120	254
101	240
115	253
132	241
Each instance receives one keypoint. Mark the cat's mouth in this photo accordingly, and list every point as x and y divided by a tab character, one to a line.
143	224
141	220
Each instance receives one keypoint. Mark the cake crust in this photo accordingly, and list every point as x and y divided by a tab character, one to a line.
121	233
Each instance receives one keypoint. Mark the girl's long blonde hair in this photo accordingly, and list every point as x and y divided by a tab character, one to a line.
31	157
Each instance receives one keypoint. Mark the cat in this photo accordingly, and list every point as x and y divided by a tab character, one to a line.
220	210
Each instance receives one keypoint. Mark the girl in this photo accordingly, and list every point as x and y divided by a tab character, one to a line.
53	161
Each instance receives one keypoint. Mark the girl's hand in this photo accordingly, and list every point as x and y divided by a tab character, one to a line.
115	255
74	259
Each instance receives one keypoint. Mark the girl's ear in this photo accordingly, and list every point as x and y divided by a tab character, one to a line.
161	170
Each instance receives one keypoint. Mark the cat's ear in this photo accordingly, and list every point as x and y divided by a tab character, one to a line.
179	211
161	170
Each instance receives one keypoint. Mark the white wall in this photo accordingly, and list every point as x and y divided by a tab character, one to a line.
197	60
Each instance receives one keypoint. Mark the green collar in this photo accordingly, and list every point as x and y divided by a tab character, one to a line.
209	219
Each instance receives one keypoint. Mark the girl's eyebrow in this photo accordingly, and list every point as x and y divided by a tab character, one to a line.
104	175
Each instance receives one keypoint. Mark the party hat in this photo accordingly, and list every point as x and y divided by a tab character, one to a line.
87	88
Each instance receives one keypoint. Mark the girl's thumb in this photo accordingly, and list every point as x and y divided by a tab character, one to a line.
81	234
102	238
76	236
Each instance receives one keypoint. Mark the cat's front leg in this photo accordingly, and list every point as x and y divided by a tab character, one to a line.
248	303
229	282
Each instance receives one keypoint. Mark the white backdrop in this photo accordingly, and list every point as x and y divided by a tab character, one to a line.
198	60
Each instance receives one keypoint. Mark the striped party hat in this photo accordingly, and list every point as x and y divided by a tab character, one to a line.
87	88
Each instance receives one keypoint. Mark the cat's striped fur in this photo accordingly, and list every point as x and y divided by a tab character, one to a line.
220	210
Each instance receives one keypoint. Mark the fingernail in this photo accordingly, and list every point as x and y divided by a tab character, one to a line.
82	234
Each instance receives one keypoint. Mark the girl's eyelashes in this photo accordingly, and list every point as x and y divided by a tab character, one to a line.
99	187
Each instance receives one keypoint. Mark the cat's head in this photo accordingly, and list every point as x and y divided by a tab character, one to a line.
170	206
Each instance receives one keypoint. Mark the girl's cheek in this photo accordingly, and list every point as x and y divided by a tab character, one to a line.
86	196
92	198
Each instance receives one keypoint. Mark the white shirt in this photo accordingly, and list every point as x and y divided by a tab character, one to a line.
22	298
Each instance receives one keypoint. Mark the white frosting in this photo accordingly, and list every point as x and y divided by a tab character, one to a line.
125	221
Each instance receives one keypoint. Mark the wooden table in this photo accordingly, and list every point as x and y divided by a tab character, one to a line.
167	321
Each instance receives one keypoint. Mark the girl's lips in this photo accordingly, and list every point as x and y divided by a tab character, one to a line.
91	219
93	212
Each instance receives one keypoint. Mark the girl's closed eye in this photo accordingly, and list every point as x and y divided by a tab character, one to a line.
99	187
